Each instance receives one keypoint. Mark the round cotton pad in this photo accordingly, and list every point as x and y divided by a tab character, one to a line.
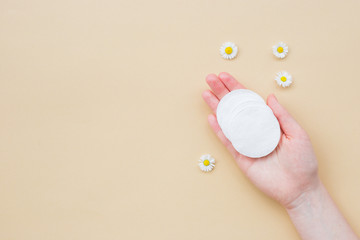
255	131
236	108
230	101
248	123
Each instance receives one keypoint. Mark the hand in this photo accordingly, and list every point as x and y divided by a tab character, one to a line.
290	170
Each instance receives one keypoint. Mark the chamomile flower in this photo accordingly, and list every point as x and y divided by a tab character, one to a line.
206	163
280	50
228	50
283	79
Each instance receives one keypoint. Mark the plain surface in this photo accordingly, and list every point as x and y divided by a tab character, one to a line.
102	121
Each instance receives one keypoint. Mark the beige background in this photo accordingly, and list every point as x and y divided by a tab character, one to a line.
102	122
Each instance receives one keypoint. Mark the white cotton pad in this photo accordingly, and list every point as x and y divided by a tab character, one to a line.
255	132
230	101
229	115
248	123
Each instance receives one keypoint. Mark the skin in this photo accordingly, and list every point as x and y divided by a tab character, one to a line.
289	174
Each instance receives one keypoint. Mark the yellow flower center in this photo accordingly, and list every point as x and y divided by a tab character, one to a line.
228	50
283	78
206	162
280	49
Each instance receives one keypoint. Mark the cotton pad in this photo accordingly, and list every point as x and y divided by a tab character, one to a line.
229	102
248	123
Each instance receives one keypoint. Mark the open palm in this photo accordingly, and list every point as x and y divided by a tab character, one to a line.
291	169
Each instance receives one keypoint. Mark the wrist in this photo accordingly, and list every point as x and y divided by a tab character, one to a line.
315	216
310	198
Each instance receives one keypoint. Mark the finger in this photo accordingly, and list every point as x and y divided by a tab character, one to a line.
216	86
243	162
287	123
211	100
230	82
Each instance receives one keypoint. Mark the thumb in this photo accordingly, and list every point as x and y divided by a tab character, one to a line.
287	123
